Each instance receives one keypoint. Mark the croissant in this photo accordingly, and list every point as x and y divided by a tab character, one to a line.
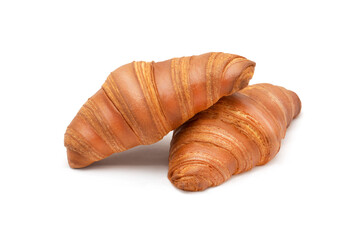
234	135
141	102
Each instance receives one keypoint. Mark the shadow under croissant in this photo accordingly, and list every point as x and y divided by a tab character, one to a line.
146	155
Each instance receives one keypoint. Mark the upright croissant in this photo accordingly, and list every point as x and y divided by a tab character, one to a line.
237	133
141	102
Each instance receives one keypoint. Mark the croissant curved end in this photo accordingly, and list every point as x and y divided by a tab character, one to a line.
76	160
243	80
190	183
194	178
297	102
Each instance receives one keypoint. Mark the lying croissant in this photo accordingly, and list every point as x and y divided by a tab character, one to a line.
237	133
141	102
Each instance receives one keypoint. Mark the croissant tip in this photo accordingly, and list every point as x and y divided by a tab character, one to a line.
190	183
252	63
297	102
192	178
76	160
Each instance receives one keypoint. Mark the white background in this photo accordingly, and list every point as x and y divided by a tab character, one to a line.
53	56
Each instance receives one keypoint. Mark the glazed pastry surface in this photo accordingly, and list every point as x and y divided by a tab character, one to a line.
234	135
141	102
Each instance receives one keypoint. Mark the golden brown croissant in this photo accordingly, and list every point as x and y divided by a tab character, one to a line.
237	133
141	102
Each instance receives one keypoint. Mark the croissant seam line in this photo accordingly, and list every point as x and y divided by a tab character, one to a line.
226	138
140	69
158	98
250	126
202	158
83	143
217	146
292	105
278	102
126	121
197	162
106	134
261	105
